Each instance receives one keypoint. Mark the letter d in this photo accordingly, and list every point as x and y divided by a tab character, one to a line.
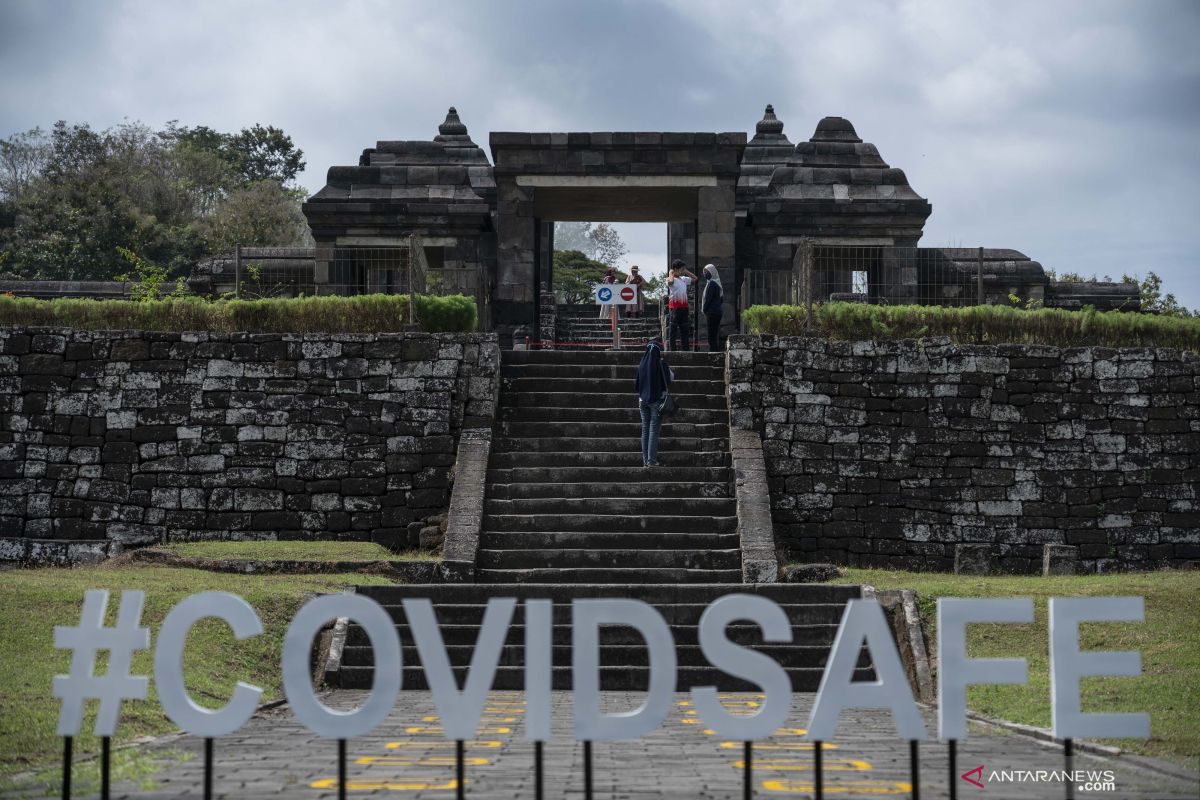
586	618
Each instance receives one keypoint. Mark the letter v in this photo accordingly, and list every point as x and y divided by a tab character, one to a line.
460	711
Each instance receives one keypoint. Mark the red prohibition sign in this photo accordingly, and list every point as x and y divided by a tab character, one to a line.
627	293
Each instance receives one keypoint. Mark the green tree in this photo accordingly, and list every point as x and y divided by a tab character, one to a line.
574	276
263	214
1153	299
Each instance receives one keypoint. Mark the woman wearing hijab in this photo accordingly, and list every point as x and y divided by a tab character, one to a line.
636	280
653	378
712	306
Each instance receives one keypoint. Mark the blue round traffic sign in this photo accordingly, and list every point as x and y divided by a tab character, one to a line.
605	294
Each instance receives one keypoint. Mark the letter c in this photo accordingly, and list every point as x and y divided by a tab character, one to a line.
168	664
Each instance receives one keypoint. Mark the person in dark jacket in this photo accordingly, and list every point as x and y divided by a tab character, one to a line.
653	378
712	306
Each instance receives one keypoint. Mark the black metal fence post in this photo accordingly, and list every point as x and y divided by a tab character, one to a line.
459	789
953	752
818	778
748	777
66	776
538	785
914	768
587	769
208	768
341	769
1069	757
105	766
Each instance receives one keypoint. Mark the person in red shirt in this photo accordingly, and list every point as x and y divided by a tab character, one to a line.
677	302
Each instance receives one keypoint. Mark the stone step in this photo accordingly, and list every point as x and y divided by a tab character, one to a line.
574	540
683	617
630	459
605	357
685	635
623	678
601	386
627	413
615	575
609	430
615	523
672	443
589	558
609	371
449	594
795	656
618	484
540	477
584	399
616	506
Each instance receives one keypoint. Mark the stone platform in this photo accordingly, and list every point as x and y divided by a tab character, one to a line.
274	756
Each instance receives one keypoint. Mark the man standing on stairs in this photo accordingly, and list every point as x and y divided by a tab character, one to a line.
677	301
653	378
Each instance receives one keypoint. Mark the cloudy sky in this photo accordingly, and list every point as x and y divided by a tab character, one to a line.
1067	130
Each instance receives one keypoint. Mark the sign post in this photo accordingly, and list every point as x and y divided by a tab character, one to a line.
613	295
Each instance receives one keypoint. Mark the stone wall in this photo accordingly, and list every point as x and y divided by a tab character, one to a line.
892	453
117	439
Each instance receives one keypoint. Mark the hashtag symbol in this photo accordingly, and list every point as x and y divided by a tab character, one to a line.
84	642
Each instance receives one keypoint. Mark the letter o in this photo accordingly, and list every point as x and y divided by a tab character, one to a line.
168	664
297	679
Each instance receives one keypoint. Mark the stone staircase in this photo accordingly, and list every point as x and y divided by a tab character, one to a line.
580	326
814	611
570	512
568	500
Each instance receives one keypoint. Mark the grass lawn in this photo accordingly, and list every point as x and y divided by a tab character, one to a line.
295	551
1169	641
34	601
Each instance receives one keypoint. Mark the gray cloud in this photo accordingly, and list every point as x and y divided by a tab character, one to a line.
1067	130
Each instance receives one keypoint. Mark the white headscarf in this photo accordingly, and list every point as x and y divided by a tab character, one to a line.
713	276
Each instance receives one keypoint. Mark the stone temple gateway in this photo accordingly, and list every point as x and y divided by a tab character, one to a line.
751	207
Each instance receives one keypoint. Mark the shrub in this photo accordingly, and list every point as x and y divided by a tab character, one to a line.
985	324
454	312
375	313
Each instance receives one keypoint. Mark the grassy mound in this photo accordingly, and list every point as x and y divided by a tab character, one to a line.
372	313
978	325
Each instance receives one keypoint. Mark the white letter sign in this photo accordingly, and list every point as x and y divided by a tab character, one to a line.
1068	665
168	664
956	671
385	681
742	662
460	711
586	618
863	622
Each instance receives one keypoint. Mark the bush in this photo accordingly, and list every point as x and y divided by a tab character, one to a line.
454	312
978	325
375	313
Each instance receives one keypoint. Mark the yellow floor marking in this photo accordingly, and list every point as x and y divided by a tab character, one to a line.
778	746
375	786
437	729
436	718
842	787
852	765
445	743
428	761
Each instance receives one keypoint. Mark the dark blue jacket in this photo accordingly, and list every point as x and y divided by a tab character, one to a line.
653	375
712	298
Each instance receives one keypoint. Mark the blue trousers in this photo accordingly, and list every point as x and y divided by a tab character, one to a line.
651	426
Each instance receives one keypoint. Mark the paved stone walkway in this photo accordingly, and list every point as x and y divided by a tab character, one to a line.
274	756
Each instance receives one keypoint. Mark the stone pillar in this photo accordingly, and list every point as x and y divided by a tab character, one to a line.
513	295
1060	559
973	559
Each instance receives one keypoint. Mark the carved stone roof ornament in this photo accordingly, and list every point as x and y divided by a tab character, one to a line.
452	129
769	124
